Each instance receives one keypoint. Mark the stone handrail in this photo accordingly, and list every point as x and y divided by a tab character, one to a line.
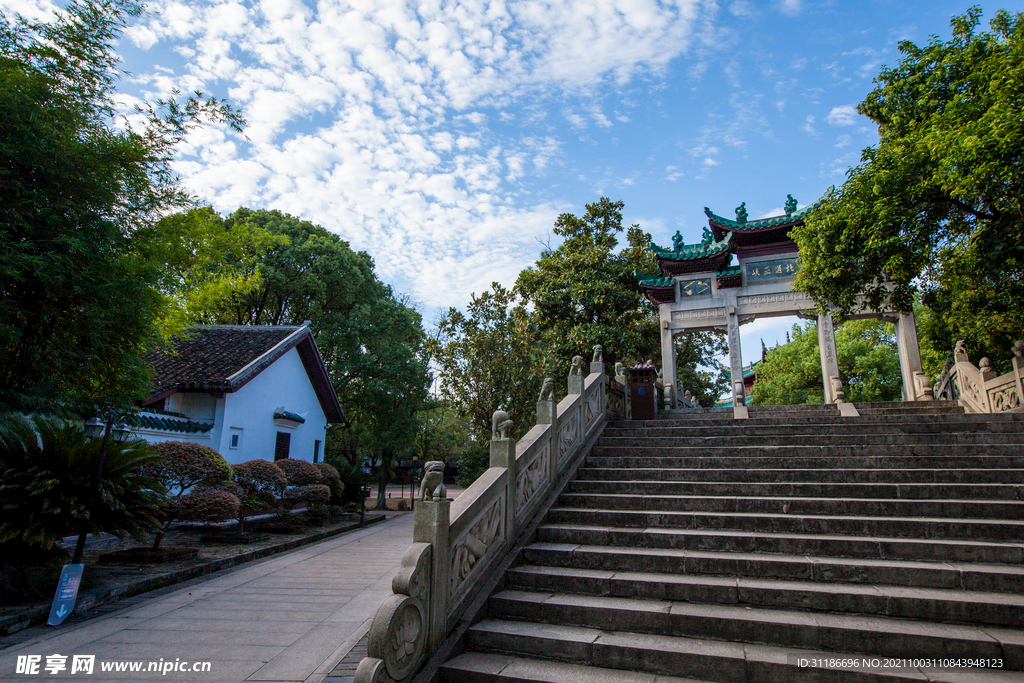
979	389
456	544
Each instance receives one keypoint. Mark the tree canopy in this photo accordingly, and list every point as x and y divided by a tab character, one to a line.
77	305
869	366
938	203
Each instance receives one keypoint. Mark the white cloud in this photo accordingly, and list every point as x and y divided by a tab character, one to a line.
808	126
709	162
792	7
371	118
846	115
844	141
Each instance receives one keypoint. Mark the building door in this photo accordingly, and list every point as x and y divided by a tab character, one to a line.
283	445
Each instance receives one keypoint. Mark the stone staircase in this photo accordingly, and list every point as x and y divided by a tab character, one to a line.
700	548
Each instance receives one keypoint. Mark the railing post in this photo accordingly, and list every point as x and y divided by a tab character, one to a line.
547	414
1018	371
576	375
431	521
503	454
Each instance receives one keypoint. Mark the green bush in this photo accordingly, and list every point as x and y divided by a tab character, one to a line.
206	505
352	476
184	466
300	472
47	468
258	485
332	478
473	462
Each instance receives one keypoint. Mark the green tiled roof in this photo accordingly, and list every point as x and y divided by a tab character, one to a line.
690	252
731	270
286	415
167	424
771	221
655	280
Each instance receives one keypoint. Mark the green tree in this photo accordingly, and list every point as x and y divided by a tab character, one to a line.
204	265
584	293
77	306
868	365
939	201
488	357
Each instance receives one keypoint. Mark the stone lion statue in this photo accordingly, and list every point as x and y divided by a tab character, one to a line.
598	354
547	390
577	366
500	424
432	486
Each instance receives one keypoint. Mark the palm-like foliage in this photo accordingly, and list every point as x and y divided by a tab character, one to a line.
46	472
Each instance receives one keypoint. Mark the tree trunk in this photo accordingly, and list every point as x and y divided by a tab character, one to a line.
382	480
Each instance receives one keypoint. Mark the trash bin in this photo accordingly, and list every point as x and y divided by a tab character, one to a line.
642	394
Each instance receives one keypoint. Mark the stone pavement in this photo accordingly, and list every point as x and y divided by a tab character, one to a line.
291	617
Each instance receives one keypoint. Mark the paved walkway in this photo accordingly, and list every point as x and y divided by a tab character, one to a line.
287	618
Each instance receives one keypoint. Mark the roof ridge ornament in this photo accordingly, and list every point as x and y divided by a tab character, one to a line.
790	205
741	213
677	241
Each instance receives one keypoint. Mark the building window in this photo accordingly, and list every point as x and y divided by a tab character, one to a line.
235	441
283	445
316	451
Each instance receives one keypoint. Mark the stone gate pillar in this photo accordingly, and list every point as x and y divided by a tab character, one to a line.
739	405
829	358
668	359
910	355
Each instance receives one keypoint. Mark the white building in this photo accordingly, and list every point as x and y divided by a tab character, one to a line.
247	391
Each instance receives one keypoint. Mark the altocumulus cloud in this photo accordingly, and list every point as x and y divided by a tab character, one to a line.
375	118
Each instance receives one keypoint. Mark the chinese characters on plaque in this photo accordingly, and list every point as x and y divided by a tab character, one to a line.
779	269
691	288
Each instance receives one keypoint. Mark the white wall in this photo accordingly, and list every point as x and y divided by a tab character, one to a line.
251	409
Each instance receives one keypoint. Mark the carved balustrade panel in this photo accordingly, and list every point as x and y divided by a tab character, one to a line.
591	405
472	548
1004	396
972	390
531	476
568	436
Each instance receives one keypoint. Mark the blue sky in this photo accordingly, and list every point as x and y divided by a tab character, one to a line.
445	137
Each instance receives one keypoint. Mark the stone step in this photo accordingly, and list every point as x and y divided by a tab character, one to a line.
664	452
783	429
832	418
605	650
945	605
835	632
873	507
747	473
970	565
741	460
899	527
488	667
900	441
903	491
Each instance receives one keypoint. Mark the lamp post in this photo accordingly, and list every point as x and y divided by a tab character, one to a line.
93	429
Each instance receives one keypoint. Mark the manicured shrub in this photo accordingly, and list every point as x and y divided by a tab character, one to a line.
332	479
47	468
184	466
300	472
206	505
310	494
259	484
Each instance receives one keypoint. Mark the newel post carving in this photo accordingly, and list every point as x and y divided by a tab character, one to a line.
411	623
576	375
547	414
503	454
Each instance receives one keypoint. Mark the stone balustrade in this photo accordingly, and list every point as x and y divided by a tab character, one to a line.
979	389
457	545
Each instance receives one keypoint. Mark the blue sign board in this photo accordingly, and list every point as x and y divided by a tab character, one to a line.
67	593
779	269
694	288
